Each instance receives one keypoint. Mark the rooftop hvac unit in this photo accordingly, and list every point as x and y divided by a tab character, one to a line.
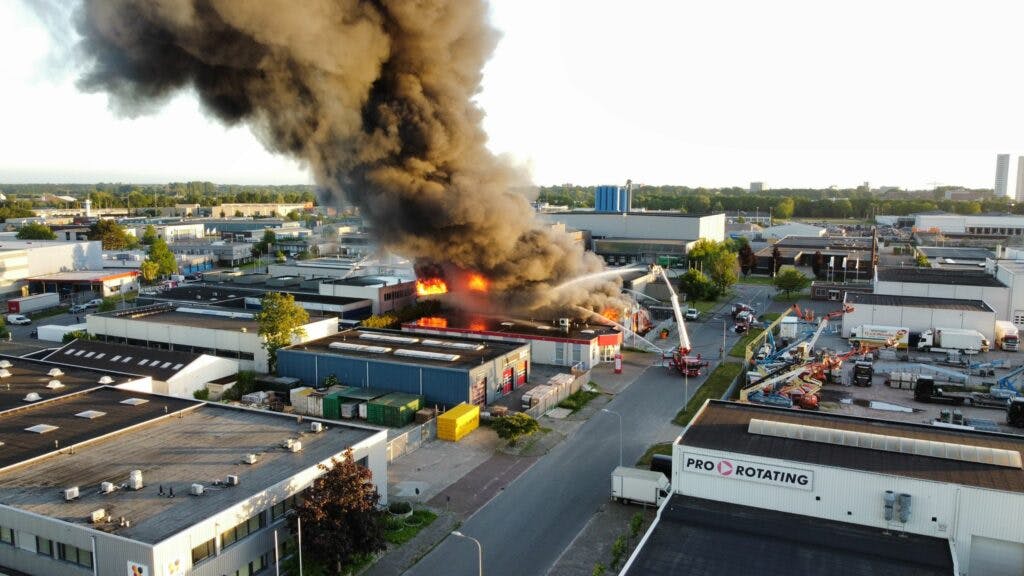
135	480
71	493
250	459
232	480
316	427
54	372
98	515
196	490
296	446
106	487
106	380
33	397
5	373
5	364
54	385
288	443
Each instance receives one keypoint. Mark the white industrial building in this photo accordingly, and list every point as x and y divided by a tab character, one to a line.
944	283
979	224
218	332
171	231
644	225
795	229
22	259
173	372
1008	272
917	313
764	490
387	293
109	482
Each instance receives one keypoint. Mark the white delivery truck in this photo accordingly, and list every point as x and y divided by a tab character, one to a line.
953	340
27	304
1007	336
640	486
788	328
873	334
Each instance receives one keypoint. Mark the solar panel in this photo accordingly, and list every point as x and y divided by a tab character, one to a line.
90	354
69	351
178	366
100	355
79	353
165	365
115	358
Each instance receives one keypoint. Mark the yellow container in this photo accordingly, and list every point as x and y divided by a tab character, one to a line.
457	422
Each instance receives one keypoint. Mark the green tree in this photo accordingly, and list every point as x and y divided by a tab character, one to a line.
515	426
697	286
149	236
33	231
294	216
265	244
162	256
280	257
784	208
747	258
340	519
112	235
791	280
723	269
107	306
922	261
818	264
149	271
280	320
776	260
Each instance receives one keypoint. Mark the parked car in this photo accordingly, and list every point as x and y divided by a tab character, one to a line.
692	314
94	303
18	319
77	309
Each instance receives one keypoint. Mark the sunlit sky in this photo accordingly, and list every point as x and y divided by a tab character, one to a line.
792	93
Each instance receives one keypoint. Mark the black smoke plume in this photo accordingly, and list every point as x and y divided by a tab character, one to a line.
375	96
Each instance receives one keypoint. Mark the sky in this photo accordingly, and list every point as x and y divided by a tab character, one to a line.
792	93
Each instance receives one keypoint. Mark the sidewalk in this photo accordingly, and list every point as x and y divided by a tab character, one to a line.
397	560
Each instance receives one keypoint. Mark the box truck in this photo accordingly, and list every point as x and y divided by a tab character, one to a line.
640	486
953	340
873	334
788	328
28	304
1007	336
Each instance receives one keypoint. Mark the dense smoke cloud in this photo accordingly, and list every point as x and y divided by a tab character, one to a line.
375	96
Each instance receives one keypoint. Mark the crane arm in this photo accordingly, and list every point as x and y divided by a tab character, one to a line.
684	337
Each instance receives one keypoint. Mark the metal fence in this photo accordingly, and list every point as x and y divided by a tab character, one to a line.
562	392
412	439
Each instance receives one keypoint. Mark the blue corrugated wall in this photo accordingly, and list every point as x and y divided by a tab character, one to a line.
439	385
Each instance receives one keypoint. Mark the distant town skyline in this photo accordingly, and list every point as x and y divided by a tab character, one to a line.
717	95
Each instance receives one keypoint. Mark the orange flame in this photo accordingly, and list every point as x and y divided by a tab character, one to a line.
433	322
431	286
478	283
611	314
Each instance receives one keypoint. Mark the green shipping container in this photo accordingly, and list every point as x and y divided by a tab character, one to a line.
332	406
394	410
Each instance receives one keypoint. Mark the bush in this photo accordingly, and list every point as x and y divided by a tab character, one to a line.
618	550
76	335
399	507
598	570
514	426
698	286
245	384
636	524
577	400
203	394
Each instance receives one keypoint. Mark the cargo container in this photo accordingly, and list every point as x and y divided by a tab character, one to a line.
33	303
641	486
454	424
788	328
350	409
1007	336
394	410
297	398
953	340
883	335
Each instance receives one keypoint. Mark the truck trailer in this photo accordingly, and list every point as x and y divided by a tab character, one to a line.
880	335
953	340
1007	336
640	486
27	304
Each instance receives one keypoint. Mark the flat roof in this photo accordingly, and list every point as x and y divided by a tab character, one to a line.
390	345
192	442
29	375
699	537
211	292
917	301
371	281
213	318
938	276
671	214
956	252
724	425
834	242
112	357
84	276
510	327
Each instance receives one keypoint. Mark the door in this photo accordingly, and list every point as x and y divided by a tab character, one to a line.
833	295
506	380
991	557
520	373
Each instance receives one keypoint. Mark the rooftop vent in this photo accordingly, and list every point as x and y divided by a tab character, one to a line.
41	428
5	364
71	493
134	401
91	414
98	516
106	487
450	344
359	347
5	373
54	372
135	480
54	385
232	480
316	427
196	490
388	338
886	443
106	380
251	459
427	355
33	397
288	443
296	446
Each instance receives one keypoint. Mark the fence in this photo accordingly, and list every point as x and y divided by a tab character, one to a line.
562	391
412	439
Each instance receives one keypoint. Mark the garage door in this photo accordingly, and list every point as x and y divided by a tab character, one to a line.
991	557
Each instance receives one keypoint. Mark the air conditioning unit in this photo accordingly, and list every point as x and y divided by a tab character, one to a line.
98	516
250	458
232	480
106	487
296	446
71	493
316	427
196	490
135	480
288	443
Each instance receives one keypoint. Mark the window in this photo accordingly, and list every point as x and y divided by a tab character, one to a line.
257	566
204	551
6	535
44	546
74	555
243	529
278	510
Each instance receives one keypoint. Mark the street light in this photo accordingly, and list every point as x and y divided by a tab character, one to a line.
479	550
620	431
298	523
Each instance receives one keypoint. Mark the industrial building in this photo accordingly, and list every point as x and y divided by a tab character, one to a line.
644	225
23	259
133	259
114	482
25	381
975	224
443	370
561	343
765	490
215	331
100	283
387	293
793	229
846	258
173	372
961	284
955	257
917	313
613	198
224	253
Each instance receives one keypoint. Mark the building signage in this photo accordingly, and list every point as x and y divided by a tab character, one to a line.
731	469
137	569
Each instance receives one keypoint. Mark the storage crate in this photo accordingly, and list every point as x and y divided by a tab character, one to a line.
454	424
395	410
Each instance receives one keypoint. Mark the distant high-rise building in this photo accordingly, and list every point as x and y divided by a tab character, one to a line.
1002	173
1020	179
756	187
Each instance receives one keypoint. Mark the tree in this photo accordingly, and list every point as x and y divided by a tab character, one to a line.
697	286
112	235
784	208
515	426
340	519
294	216
162	256
33	231
149	271
818	264
791	280
776	260
723	269
280	320
280	257
265	244
107	306
747	258
149	236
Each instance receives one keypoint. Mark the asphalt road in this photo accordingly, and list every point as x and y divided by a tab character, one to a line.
525	528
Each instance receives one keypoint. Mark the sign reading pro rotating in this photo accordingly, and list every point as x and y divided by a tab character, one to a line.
730	469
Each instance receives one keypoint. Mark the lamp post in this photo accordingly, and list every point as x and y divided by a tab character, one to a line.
479	551
298	530
620	431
